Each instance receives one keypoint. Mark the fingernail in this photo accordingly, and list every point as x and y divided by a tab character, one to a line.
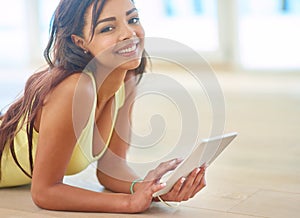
182	180
163	184
173	162
197	170
180	159
204	166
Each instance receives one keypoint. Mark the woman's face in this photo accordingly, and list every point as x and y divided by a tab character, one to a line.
119	37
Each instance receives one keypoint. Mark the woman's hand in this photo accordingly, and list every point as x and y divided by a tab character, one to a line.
186	188
143	195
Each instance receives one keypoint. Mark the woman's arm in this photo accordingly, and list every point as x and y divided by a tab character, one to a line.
114	173
56	142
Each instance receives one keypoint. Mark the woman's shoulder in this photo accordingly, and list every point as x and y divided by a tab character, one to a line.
72	85
74	96
76	81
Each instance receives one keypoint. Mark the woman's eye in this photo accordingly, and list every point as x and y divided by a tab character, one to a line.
106	29
134	20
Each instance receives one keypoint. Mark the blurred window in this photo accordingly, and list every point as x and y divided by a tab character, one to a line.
191	22
269	34
13	33
46	10
268	30
15	30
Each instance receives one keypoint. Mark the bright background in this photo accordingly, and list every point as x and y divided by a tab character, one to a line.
239	35
252	34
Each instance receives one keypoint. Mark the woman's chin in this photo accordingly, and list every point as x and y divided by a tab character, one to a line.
131	65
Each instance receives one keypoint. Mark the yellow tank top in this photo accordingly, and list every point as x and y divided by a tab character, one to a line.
81	157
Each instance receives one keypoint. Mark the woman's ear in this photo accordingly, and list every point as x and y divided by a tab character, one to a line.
80	42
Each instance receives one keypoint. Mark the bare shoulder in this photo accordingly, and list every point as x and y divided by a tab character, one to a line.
72	98
72	86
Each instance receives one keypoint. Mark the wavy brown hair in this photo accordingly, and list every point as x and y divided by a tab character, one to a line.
64	58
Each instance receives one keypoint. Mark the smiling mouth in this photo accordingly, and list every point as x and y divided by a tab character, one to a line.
128	50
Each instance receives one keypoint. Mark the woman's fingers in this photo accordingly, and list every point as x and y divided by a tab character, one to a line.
162	169
157	187
198	184
178	186
186	188
190	185
200	180
199	187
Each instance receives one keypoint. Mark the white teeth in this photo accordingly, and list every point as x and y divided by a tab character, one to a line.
127	50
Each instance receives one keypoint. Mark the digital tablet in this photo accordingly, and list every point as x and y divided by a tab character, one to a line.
206	152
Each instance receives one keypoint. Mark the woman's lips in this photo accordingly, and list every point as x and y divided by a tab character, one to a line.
128	48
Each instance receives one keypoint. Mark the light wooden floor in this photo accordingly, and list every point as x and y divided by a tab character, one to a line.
257	176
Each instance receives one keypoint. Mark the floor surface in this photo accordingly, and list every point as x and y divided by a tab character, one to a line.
258	175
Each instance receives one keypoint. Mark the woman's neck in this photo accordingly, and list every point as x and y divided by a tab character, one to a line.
108	85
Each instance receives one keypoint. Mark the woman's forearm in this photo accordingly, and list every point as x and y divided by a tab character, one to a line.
114	173
117	185
69	198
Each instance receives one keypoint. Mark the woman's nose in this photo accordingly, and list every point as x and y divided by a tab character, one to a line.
127	32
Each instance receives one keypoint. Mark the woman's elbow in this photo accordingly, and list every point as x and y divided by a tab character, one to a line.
39	197
102	179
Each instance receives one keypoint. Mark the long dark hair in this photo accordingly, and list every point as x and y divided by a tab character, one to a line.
64	58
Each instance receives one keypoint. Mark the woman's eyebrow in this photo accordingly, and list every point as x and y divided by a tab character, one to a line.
106	20
114	18
131	11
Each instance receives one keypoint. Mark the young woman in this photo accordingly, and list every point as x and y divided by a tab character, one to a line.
68	115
